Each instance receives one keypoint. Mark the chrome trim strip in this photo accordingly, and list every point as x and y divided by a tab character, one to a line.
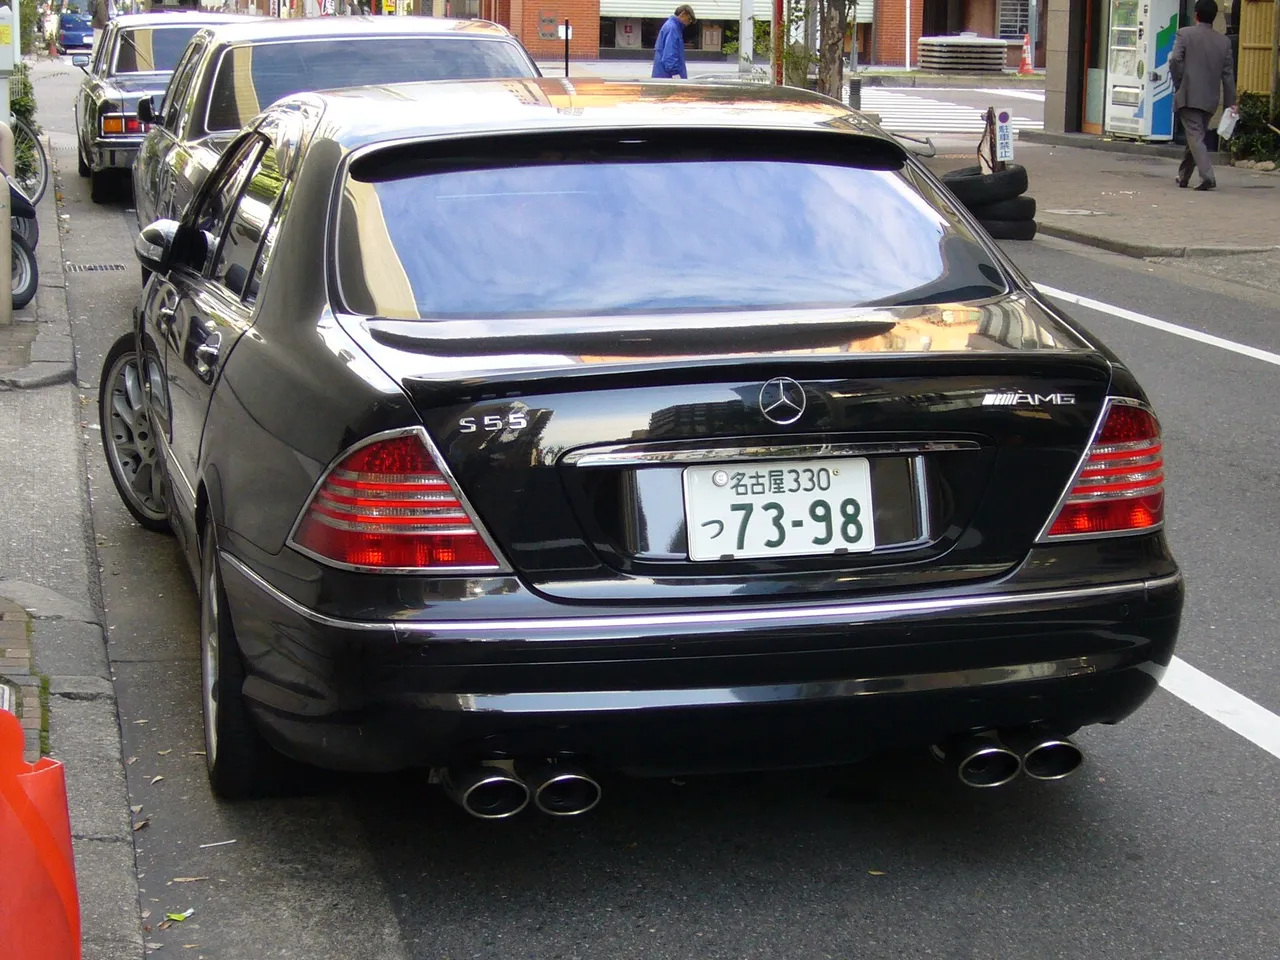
924	513
778	616
622	701
626	455
420	432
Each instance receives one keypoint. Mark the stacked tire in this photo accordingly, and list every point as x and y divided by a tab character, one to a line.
998	199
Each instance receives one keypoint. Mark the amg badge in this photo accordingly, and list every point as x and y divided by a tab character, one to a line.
1016	398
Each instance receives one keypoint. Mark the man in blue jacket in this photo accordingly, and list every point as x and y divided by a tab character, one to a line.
668	52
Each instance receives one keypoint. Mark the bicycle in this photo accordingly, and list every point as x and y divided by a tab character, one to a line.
31	163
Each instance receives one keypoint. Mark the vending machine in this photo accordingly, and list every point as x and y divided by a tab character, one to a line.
1139	91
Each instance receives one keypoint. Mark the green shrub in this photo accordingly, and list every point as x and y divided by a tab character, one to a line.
1253	139
22	101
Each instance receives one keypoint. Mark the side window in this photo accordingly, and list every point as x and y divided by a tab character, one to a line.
223	194
101	56
236	269
171	108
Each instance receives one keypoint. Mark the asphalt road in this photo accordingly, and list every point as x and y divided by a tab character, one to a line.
1166	845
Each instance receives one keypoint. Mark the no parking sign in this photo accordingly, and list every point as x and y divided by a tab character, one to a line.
1004	135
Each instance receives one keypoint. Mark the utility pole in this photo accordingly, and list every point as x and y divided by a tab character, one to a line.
746	39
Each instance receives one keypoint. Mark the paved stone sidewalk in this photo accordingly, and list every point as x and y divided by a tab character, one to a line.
1130	204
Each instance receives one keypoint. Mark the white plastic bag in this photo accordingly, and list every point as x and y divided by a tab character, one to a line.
1227	124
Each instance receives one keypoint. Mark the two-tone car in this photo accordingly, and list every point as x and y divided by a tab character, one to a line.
521	429
231	72
134	60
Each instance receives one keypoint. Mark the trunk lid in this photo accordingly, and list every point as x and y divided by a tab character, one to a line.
585	446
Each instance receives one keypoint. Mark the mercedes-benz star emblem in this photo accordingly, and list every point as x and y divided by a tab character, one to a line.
782	400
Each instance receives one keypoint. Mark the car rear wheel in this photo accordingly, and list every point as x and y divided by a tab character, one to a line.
102	186
127	435
235	754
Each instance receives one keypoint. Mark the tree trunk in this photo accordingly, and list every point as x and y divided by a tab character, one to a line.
834	19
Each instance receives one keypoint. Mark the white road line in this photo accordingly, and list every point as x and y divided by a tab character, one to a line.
1243	349
908	112
1037	95
1233	710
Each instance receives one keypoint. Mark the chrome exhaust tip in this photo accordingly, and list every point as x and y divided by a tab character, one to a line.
1045	755
980	761
486	792
560	790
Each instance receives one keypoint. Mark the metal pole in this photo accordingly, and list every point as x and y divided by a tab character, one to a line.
6	238
566	48
776	41
908	50
1275	57
746	38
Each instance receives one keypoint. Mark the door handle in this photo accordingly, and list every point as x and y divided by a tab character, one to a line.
164	317
208	352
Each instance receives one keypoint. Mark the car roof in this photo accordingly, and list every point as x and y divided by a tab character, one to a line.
364	115
260	29
178	18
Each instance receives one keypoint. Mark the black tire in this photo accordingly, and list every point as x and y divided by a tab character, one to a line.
973	188
102	186
81	167
26	276
1010	229
1017	208
237	758
28	229
133	459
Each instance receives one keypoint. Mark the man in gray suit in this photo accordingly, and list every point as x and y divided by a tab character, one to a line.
1201	68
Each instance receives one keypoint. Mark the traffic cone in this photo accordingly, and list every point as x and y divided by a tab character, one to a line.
39	907
1025	66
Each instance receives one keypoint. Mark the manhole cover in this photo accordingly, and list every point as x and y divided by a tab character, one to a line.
94	267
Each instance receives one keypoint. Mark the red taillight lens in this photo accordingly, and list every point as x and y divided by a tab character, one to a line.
1120	487
388	506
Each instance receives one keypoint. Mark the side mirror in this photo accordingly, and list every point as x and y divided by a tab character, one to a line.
154	246
80	60
146	109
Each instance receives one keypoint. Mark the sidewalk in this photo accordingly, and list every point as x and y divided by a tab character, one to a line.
1131	205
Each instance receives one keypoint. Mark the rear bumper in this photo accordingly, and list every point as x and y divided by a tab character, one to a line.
115	153
715	689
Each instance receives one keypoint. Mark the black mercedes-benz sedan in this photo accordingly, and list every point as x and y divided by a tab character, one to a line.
524	429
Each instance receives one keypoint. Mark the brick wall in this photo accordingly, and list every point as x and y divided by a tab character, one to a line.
532	18
891	25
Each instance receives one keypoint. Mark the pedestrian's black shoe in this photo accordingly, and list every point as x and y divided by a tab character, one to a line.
1207	185
1182	182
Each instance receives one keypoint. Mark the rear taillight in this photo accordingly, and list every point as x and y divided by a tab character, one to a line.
1119	487
123	123
388	505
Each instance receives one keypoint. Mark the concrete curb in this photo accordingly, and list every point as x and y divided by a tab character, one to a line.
1144	250
960	81
1086	141
52	354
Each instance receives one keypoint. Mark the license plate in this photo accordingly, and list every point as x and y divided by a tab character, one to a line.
788	508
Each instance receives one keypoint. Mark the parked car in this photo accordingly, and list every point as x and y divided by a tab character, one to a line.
232	72
135	59
74	30
577	425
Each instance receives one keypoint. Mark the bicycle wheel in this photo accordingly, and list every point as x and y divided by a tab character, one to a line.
32	173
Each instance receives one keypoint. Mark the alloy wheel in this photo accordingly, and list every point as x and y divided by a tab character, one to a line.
131	440
21	270
209	661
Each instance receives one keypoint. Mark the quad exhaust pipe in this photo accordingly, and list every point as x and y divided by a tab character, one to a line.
493	792
995	758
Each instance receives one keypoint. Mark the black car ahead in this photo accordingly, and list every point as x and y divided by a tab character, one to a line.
232	72
520	429
133	60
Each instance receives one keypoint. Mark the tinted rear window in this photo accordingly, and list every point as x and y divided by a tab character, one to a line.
75	21
146	50
600	238
252	77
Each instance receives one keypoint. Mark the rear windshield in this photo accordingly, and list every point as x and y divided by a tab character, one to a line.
75	21
151	50
600	238
252	77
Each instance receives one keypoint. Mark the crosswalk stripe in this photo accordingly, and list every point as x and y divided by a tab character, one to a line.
904	112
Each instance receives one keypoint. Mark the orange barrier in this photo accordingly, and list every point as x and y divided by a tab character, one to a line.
39	906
